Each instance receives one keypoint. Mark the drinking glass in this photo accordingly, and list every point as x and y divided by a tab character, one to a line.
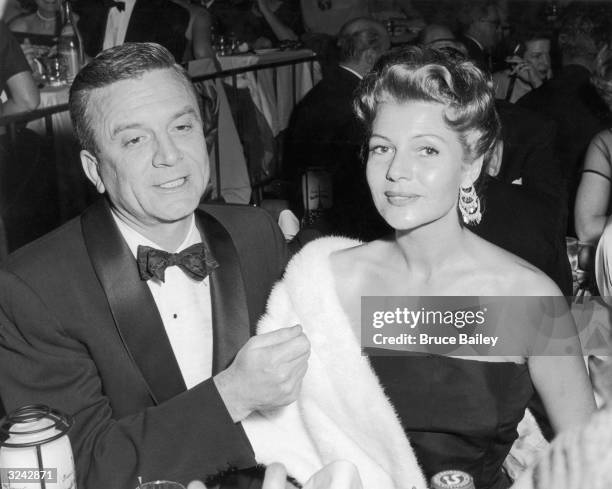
572	251
160	485
53	71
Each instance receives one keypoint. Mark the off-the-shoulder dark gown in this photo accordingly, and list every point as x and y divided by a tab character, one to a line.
459	414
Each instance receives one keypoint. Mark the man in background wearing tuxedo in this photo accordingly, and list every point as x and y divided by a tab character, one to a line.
107	23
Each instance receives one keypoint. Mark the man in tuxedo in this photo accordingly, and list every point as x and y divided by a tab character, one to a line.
149	349
107	23
324	131
482	31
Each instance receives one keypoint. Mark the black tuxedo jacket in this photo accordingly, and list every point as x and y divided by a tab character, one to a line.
570	99
79	331
518	220
160	21
529	150
323	130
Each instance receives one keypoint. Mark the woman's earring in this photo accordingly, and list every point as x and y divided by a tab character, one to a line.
469	205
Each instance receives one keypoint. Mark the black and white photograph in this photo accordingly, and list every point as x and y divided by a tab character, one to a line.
305	244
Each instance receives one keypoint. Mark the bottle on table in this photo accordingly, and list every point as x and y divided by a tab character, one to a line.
452	479
69	45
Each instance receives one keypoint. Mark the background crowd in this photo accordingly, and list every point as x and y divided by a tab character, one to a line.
550	72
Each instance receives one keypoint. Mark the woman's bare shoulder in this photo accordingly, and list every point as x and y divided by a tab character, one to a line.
363	254
604	136
21	24
358	265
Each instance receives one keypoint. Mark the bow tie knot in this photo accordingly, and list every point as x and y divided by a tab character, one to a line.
196	261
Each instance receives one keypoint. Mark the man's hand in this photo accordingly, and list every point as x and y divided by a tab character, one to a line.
276	478
267	372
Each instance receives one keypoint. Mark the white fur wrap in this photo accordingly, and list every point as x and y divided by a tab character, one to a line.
342	411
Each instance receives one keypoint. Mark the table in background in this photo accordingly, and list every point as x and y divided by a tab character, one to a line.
265	112
274	96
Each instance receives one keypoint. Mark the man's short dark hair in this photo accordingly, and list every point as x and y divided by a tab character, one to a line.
125	62
354	39
471	11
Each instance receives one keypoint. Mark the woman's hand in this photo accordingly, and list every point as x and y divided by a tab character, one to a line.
524	70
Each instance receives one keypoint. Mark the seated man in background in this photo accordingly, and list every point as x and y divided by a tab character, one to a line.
106	24
481	32
324	131
149	349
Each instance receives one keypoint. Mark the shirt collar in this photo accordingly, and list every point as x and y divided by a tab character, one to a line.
134	239
129	6
350	70
476	41
209	3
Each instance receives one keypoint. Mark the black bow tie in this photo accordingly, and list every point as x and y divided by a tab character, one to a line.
110	4
196	261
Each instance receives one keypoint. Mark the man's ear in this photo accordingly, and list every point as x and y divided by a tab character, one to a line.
472	172
91	167
370	56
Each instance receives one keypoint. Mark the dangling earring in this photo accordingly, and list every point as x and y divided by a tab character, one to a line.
469	205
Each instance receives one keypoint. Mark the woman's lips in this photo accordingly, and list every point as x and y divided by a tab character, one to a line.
401	198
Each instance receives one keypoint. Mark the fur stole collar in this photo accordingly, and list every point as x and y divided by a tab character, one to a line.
342	411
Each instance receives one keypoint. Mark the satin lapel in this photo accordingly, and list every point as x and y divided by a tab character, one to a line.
231	327
141	26
133	33
133	308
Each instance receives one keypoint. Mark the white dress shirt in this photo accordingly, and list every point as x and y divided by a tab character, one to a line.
117	24
184	305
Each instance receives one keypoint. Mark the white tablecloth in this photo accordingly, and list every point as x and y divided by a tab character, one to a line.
274	102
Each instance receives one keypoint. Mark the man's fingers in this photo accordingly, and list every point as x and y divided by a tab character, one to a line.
288	351
275	478
300	362
275	337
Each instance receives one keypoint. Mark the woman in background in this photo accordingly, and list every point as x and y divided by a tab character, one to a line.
593	203
199	31
43	18
529	66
